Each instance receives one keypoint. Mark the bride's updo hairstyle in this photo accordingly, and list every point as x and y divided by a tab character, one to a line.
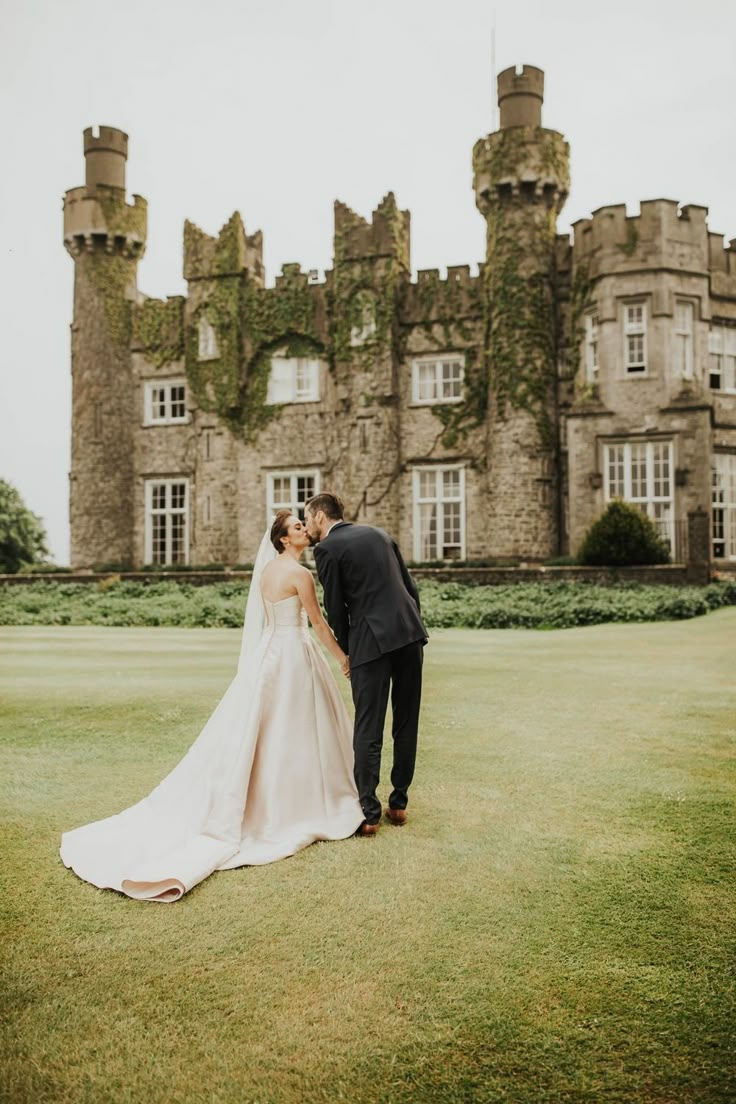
280	529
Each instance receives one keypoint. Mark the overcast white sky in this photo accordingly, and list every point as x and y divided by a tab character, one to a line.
278	107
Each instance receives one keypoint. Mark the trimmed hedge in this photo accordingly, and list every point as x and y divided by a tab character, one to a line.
622	536
444	605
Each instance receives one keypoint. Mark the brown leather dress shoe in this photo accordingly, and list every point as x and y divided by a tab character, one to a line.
396	816
367	829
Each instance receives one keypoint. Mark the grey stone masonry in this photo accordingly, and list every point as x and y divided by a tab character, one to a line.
475	415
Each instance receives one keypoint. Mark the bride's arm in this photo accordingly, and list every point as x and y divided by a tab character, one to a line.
308	594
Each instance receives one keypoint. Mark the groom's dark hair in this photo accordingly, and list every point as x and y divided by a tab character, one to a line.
330	505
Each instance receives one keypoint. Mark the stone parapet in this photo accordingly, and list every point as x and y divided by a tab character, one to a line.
104	222
663	235
669	574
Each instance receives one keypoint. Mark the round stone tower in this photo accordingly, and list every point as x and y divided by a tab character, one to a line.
521	181
106	237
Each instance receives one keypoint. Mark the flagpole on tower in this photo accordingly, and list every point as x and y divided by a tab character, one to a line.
494	96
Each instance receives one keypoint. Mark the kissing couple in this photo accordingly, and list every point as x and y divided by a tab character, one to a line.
278	765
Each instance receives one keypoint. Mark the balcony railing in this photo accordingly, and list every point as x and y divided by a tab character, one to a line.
674	534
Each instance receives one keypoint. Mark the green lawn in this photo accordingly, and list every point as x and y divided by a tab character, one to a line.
555	923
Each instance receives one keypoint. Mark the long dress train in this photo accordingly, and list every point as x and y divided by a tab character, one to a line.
270	773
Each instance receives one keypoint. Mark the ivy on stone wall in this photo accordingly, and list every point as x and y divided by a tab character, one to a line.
123	219
523	335
111	275
628	248
158	327
251	323
522	343
459	418
580	301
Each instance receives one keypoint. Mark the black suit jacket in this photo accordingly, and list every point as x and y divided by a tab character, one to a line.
371	599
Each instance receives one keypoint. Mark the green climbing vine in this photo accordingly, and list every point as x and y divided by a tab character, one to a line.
158	327
580	302
522	343
123	219
459	418
628	247
111	274
250	324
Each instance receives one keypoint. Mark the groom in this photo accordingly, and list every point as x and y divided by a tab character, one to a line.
372	605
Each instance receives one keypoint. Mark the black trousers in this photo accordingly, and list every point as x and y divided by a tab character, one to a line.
402	672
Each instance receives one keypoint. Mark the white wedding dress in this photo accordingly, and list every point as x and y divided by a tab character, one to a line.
270	773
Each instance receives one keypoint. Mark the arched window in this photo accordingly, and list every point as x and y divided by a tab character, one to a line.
365	312
208	349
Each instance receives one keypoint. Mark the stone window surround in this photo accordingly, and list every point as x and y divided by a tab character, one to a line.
592	358
359	335
718	343
723	503
687	332
438	359
294	390
149	386
418	500
632	329
207	347
168	482
660	508
293	475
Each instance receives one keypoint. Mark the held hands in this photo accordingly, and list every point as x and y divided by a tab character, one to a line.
345	667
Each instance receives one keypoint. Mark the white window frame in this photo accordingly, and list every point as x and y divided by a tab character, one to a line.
659	507
684	338
293	501
439	499
169	511
592	364
439	363
150	404
207	344
722	358
633	328
723	505
300	376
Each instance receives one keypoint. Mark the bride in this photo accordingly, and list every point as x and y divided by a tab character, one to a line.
270	772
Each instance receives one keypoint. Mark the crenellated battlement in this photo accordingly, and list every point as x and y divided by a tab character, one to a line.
521	165
662	235
386	235
105	154
432	298
104	222
457	276
520	96
209	390
291	275
106	138
231	253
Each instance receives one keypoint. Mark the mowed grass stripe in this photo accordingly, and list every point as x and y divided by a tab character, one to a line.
555	923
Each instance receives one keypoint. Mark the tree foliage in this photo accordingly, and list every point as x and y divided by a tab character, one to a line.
22	533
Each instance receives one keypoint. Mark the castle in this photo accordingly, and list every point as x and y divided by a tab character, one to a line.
473	416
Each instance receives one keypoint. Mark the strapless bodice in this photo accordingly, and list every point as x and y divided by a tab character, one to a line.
288	613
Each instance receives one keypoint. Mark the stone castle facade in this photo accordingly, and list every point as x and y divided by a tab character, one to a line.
474	416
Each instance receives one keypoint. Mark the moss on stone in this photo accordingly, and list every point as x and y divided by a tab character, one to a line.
628	248
111	275
158	327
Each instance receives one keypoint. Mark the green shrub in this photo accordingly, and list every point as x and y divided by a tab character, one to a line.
44	569
622	536
544	605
